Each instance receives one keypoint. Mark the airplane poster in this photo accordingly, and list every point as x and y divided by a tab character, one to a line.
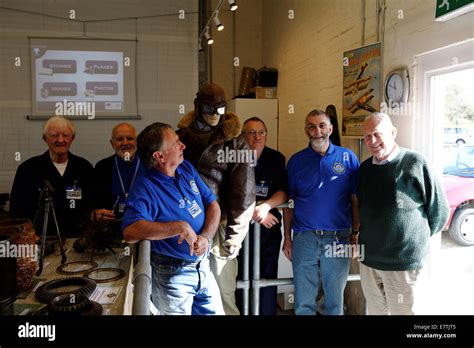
362	87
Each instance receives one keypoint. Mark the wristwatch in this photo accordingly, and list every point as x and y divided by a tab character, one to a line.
210	239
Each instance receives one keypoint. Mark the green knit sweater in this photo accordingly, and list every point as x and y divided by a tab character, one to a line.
401	204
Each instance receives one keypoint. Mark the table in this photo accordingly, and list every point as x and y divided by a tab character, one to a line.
106	259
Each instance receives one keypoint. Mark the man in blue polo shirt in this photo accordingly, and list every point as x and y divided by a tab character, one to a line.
322	182
171	206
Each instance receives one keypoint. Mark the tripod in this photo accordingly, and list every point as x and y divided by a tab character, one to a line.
46	203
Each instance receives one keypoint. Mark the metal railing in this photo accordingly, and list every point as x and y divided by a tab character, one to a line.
256	282
142	280
142	276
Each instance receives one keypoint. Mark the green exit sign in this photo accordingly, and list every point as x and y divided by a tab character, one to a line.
448	9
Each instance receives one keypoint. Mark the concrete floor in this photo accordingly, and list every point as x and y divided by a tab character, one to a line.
451	285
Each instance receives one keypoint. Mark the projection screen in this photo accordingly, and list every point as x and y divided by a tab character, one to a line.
83	78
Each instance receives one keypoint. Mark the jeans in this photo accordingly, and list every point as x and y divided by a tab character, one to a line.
314	259
183	288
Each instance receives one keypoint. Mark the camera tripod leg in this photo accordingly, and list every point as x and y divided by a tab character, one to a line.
63	253
43	238
38	210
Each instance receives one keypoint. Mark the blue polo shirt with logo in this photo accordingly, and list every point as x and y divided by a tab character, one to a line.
321	188
161	198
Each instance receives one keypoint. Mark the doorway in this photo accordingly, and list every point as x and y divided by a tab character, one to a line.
445	134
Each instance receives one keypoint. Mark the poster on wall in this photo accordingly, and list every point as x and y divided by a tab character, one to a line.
362	87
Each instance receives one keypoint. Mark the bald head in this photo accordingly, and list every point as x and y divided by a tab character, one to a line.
124	141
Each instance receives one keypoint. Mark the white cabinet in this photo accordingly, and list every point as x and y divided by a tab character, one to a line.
265	109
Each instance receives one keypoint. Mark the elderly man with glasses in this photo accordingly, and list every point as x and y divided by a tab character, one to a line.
207	132
271	190
322	180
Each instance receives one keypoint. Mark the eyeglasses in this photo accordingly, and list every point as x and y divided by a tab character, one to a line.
211	109
254	133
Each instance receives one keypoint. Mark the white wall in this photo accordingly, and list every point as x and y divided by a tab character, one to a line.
167	68
241	38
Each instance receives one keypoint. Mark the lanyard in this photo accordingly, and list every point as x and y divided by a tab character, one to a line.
133	178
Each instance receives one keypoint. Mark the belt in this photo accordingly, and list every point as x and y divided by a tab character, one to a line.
160	258
324	232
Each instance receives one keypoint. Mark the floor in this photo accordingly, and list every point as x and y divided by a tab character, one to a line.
450	282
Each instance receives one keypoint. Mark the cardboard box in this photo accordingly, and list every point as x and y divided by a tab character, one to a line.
286	300
265	92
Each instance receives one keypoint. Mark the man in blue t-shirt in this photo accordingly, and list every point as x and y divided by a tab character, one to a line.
322	182
171	206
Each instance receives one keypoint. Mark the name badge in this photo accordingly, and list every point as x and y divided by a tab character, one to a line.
73	192
261	190
121	208
194	209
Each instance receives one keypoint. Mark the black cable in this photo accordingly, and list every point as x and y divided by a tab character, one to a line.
94	20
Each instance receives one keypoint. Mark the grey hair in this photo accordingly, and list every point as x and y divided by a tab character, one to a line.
61	122
151	139
317	112
379	117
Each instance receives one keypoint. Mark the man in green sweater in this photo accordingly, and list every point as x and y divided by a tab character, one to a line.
401	204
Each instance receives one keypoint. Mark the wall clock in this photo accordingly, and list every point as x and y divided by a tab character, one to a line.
397	86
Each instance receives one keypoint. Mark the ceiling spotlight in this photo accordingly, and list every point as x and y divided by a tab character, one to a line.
233	6
208	37
218	23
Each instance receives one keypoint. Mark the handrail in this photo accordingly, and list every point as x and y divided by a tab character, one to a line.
142	280
142	275
257	282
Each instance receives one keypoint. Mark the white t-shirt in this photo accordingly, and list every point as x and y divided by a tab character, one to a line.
61	167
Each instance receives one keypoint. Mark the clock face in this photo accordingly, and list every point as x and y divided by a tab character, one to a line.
394	88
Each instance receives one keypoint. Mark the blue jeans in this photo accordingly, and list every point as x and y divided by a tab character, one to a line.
184	288
313	260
